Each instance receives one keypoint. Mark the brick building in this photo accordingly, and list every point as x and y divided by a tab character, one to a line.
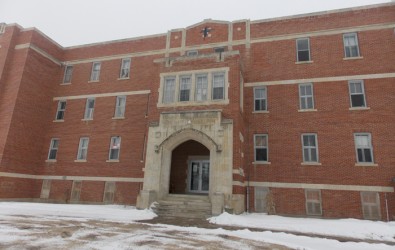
292	115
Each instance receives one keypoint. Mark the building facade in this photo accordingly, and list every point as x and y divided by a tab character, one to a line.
292	116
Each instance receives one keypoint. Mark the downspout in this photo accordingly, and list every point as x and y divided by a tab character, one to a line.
386	207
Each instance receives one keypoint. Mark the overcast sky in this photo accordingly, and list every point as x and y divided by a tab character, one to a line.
77	22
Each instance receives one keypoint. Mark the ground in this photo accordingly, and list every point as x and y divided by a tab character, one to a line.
60	226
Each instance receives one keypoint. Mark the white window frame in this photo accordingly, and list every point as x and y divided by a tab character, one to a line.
369	206
201	97
95	73
53	148
76	191
350	83
192	53
266	138
348	47
313	202
308	158
169	93
60	110
109	192
120	107
182	88
114	147
300	50
303	99
216	74
124	72
68	73
369	146
82	152
260	99
88	114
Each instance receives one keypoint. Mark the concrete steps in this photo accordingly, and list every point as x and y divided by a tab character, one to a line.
184	206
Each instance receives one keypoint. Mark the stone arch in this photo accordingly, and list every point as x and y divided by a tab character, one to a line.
170	143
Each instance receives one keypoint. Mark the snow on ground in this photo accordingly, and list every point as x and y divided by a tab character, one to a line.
84	212
360	229
60	226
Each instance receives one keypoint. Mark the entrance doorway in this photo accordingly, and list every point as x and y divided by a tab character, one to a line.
190	169
199	176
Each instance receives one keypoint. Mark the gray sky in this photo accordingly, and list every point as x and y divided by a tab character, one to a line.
76	22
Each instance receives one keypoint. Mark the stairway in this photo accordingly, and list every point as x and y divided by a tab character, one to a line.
184	206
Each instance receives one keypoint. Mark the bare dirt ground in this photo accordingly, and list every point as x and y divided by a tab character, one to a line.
54	233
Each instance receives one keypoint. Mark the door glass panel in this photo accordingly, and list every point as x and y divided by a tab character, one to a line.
205	176
195	176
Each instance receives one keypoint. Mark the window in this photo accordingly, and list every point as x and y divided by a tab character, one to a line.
357	94
168	89
192	53
260	195
219	49
53	149
185	88
218	86
60	111
261	148
306	96
303	49
351	48
68	72
310	148
313	202
260	99
45	189
83	148
120	106
363	147
125	68
89	108
201	87
76	191
115	147
370	205
95	71
109	191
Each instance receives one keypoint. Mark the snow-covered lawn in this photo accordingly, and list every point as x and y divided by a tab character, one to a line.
352	228
59	226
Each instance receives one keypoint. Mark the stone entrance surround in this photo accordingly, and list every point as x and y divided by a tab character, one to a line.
206	127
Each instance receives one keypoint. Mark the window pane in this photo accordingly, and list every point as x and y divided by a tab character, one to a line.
303	56
260	105
169	90
362	140
303	44
218	86
201	87
368	155
261	154
185	88
309	102
260	141
260	93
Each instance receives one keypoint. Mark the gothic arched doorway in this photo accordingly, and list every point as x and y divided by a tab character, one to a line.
190	169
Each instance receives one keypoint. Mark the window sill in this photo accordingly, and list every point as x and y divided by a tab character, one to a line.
126	78
310	164
58	121
193	103
353	58
366	164
261	163
307	110
65	83
50	161
79	160
93	81
304	62
118	118
85	120
359	108
112	161
260	112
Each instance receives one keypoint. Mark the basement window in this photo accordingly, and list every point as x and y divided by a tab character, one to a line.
313	202
109	192
76	191
370	205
